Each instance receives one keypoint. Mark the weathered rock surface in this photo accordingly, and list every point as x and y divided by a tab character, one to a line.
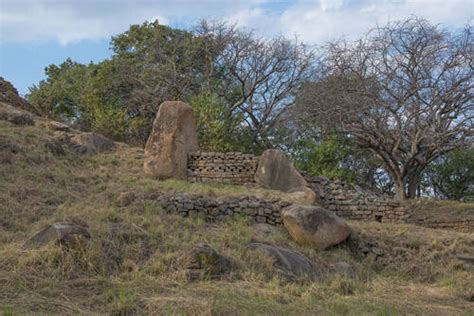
9	94
203	261
14	115
172	138
66	233
91	143
290	264
276	172
302	195
58	126
314	225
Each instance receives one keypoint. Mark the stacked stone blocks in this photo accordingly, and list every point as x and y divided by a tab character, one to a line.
352	202
213	209
229	167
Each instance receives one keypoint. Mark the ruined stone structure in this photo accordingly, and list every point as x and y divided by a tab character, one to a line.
230	167
172	151
345	200
352	202
214	209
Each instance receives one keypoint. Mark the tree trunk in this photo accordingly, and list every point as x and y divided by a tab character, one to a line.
413	184
399	189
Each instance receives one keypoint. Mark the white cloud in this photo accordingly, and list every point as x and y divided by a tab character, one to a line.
315	21
319	21
69	21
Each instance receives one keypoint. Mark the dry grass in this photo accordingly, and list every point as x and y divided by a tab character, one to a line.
129	267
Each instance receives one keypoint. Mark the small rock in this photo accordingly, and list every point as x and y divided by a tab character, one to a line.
291	265
68	234
58	126
202	260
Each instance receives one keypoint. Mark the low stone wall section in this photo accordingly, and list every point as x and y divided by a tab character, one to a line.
460	225
230	167
214	209
352	202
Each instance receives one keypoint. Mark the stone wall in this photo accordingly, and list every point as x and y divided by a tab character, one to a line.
230	167
352	202
465	225
213	209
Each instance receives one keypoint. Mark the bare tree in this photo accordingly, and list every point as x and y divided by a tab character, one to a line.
258	77
404	91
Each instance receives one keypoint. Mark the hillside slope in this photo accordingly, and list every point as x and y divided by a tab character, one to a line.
131	263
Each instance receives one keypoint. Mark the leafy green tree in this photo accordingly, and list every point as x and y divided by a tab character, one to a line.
60	95
325	158
219	131
452	176
255	80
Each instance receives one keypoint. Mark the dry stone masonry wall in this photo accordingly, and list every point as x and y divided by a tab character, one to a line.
353	202
346	200
465	225
230	167
213	209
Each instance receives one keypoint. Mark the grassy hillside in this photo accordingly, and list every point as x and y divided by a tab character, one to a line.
130	264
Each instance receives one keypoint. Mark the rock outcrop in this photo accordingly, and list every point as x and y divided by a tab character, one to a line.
291	265
9	94
14	115
203	261
172	138
314	225
91	143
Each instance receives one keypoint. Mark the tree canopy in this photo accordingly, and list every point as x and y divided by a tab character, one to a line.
379	111
404	92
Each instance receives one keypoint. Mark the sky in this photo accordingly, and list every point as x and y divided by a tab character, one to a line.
36	33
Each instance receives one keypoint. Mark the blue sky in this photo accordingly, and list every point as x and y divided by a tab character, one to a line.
36	33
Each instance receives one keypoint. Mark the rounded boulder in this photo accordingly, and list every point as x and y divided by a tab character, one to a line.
314	225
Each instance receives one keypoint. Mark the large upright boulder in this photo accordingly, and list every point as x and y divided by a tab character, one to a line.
276	172
173	136
314	225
